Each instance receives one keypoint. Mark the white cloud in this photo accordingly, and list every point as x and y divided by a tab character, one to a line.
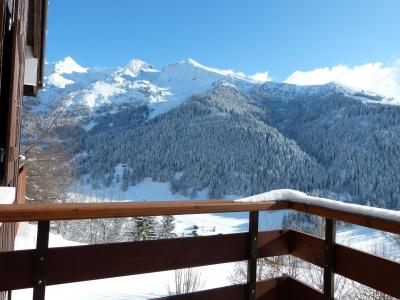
373	77
262	76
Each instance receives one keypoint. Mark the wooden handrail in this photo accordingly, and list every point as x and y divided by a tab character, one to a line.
70	211
348	216
62	266
50	212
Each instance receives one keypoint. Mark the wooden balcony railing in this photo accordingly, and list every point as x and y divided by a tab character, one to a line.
48	266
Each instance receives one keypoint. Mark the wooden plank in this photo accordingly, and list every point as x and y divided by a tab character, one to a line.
281	288
9	166
270	289
349	217
21	29
233	292
300	291
49	212
43	34
7	234
373	271
6	63
80	263
17	269
376	272
21	189
307	247
14	78
93	262
273	243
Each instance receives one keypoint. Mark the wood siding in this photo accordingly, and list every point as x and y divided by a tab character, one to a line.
13	29
12	84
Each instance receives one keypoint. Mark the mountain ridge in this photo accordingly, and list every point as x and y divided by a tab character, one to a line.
162	89
222	132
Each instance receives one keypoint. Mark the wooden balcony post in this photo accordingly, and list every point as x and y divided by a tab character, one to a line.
40	274
252	263
329	276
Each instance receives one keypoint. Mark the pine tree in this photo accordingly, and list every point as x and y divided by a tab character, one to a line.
145	228
167	227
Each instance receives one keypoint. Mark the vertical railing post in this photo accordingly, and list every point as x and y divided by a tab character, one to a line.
9	295
252	263
42	246
329	275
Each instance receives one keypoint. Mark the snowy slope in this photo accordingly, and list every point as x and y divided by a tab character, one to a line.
75	86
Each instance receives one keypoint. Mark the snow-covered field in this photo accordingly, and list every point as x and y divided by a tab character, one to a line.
155	284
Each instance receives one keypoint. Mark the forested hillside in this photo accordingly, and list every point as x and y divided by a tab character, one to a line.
216	140
199	128
242	145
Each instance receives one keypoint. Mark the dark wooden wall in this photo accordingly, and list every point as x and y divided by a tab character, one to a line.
13	31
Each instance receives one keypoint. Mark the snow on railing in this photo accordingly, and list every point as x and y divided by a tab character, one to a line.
302	198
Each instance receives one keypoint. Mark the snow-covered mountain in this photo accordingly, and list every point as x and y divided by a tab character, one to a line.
199	128
138	82
69	84
190	131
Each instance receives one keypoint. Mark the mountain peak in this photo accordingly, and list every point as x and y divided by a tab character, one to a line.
191	61
68	65
135	66
226	73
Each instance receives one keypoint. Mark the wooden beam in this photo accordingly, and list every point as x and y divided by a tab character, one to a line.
281	288
307	247
80	263
21	188
272	289
49	212
376	272
252	258
373	271
233	292
43	34
329	247
298	290
349	217
30	90
273	243
40	271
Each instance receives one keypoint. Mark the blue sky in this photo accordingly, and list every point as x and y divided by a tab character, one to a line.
278	36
